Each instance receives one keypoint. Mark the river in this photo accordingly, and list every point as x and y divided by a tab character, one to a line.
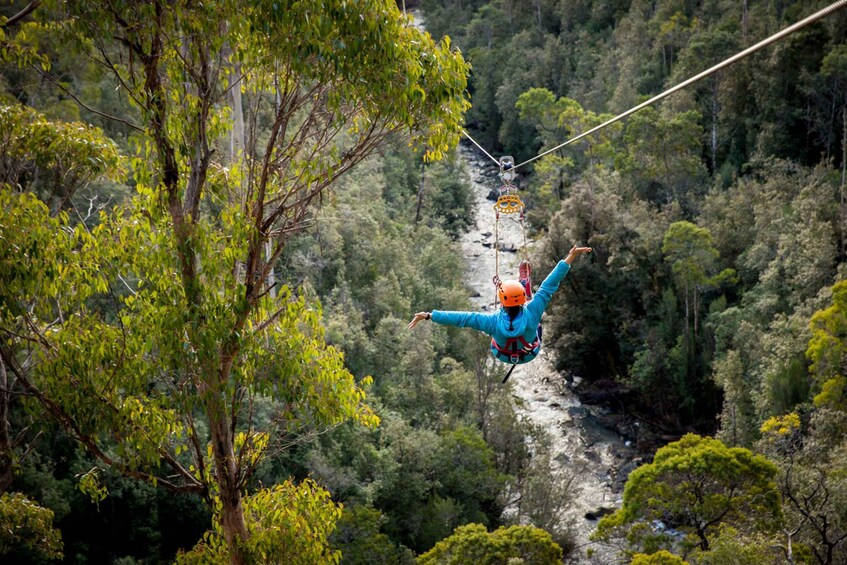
582	451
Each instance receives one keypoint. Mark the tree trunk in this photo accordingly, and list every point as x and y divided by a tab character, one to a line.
6	458
269	253
236	138
420	193
226	469
537	6
843	174
714	134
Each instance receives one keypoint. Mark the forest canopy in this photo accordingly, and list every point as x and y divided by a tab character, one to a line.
217	218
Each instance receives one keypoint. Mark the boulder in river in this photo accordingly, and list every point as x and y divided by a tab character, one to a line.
598	513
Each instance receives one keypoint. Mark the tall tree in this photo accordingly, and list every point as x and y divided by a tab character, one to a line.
473	544
812	481
166	389
663	156
692	257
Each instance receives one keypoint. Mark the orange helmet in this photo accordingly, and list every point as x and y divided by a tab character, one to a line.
512	293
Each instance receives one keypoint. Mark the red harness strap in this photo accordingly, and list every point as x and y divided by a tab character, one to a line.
514	354
511	350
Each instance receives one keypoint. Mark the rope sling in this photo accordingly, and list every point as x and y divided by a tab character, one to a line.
508	203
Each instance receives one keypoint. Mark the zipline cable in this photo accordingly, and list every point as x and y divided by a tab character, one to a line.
764	43
496	162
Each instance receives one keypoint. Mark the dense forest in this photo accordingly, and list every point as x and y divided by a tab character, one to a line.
218	218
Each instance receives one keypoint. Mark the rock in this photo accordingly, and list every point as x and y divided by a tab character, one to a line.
601	410
622	474
577	411
598	513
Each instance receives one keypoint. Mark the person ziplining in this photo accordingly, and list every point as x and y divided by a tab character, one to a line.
515	327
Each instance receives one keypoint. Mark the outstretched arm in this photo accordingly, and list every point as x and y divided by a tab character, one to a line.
545	292
475	320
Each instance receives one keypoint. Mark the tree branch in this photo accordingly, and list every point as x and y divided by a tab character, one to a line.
87	441
27	10
76	99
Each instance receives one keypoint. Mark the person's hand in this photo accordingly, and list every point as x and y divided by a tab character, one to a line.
418	317
576	252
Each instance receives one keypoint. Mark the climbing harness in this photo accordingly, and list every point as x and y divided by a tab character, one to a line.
515	351
752	49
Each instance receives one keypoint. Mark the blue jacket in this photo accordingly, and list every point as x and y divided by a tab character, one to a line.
497	324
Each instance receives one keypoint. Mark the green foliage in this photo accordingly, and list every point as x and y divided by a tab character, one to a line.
689	250
361	53
448	196
557	120
53	159
31	258
827	349
148	327
663	156
435	483
733	546
357	535
20	46
26	527
155	336
695	485
169	341
474	544
738	411
809	451
288	523
90	485
780	280
661	557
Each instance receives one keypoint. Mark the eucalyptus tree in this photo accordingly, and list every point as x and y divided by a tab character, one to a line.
689	251
695	485
166	389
